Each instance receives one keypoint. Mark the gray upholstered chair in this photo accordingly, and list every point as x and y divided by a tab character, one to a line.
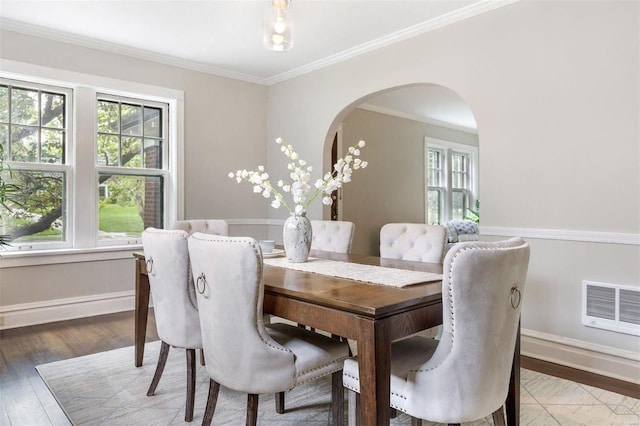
332	235
241	352
207	226
174	302
413	241
464	376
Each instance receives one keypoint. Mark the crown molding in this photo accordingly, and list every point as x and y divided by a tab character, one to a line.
92	43
404	34
427	120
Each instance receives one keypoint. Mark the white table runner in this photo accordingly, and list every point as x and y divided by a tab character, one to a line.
358	272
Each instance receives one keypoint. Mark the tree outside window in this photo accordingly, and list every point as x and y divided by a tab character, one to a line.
130	167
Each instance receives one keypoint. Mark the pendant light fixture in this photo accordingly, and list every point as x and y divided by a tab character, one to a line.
278	26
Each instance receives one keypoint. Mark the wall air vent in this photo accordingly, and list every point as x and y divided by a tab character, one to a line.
611	307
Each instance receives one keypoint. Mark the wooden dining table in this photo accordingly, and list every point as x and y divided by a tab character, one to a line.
369	314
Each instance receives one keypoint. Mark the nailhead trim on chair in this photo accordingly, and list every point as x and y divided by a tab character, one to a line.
357	379
319	368
450	289
256	249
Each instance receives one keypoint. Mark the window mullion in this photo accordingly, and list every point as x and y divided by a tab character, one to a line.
85	183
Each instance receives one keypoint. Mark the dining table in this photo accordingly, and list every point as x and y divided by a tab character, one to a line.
371	315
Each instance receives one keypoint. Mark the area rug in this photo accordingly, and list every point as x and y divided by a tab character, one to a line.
106	389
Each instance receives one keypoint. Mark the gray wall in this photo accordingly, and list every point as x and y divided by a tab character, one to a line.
224	129
391	188
558	127
557	107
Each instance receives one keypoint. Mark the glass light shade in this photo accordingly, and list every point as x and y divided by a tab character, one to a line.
278	26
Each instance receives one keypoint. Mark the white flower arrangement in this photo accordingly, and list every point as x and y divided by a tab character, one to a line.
300	188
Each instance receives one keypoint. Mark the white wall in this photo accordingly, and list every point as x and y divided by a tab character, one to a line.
554	89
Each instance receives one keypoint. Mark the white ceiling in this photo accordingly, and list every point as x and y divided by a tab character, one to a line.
225	37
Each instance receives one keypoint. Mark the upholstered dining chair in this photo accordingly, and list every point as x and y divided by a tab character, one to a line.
207	226
417	242
413	241
241	352
332	235
327	235
174	302
465	375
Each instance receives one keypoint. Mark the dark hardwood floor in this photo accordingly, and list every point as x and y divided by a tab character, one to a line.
580	376
25	400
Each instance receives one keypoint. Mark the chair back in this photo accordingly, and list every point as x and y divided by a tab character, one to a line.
482	290
207	226
174	301
332	235
239	353
413	241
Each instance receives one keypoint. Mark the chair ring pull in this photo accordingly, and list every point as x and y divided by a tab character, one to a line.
150	270
516	297
201	283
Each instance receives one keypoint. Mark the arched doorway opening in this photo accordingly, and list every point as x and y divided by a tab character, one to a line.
422	150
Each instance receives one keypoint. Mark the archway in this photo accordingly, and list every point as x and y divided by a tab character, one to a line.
400	125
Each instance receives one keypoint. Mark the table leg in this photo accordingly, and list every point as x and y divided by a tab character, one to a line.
374	364
513	397
141	311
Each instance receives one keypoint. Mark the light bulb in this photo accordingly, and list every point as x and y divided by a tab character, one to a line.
277	39
279	26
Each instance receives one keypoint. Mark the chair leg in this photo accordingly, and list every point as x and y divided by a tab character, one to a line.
191	384
394	413
337	399
212	400
354	407
280	402
498	417
252	409
162	360
416	421
202	357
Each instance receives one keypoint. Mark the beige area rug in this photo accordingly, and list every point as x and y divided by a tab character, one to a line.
106	389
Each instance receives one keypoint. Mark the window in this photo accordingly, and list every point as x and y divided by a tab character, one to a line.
131	168
451	180
34	131
94	168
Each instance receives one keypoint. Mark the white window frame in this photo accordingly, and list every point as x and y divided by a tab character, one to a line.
447	148
65	167
164	172
81	159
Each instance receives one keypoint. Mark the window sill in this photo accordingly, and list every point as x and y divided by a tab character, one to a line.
16	259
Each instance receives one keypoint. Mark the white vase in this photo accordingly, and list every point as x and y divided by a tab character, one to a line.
296	236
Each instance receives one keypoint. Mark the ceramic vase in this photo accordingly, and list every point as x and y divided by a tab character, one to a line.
296	237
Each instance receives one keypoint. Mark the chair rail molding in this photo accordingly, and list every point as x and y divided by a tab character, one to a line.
270	222
563	234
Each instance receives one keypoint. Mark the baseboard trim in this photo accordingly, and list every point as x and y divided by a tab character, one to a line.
597	359
26	314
